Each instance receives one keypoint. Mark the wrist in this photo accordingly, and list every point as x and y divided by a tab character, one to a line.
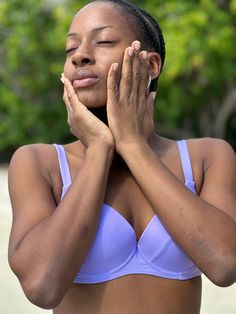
133	146
101	148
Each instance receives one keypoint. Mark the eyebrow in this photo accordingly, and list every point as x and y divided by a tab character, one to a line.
97	29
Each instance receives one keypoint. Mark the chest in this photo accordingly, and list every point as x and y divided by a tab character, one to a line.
123	193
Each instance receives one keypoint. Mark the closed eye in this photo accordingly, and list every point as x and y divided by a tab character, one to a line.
70	50
105	42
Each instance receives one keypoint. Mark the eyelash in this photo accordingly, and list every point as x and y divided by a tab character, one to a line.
105	42
99	42
69	50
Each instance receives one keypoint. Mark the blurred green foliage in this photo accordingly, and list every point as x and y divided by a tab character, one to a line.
197	93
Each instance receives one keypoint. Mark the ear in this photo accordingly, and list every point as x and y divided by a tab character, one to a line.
154	64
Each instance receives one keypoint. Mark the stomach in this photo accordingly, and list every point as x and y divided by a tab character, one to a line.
134	294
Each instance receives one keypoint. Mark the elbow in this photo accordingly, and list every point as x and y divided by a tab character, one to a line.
41	293
37	288
224	280
223	274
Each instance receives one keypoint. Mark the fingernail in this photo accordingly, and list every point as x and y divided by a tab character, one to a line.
115	67
137	45
130	52
62	74
62	80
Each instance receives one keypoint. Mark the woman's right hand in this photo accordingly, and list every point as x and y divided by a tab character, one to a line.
83	123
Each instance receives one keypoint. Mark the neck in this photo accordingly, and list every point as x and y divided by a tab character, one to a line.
100	113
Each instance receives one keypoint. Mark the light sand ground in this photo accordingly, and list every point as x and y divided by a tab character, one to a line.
12	300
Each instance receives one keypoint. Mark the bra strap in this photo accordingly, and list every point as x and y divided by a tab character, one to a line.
186	165
63	163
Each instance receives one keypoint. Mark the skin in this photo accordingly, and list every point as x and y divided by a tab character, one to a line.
135	171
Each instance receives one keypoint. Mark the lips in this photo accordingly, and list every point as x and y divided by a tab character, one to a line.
84	78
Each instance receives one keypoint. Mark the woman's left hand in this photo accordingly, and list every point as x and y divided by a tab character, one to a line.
129	108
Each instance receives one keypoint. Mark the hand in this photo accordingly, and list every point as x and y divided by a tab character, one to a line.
129	108
83	124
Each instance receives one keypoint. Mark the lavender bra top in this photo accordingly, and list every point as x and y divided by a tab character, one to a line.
116	252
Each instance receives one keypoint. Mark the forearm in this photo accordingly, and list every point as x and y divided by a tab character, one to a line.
59	243
194	224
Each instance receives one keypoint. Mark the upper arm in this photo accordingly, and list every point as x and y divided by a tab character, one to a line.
30	194
219	187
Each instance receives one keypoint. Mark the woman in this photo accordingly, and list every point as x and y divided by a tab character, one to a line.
120	221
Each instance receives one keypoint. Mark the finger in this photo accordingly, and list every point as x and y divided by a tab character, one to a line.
149	112
68	106
71	96
66	100
112	85
136	71
126	73
144	77
150	103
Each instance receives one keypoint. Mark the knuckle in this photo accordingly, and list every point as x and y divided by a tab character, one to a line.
144	78
71	95
143	63
113	87
127	61
136	74
127	78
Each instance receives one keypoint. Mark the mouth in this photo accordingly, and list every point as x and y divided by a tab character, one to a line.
84	78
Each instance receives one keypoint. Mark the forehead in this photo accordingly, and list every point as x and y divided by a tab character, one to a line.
97	14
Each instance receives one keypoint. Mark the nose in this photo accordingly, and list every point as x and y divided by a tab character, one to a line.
82	56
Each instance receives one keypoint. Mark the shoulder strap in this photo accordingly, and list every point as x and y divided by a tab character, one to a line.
186	164
63	163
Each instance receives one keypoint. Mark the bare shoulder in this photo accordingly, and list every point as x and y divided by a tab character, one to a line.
208	143
34	151
212	150
33	169
219	177
36	157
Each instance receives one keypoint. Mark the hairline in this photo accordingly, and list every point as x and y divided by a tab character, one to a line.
126	14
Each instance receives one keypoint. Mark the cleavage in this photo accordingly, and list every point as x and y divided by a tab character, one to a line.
125	197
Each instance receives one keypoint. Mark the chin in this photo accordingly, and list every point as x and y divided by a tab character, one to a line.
92	100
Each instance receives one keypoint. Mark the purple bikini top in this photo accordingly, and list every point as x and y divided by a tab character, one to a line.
116	252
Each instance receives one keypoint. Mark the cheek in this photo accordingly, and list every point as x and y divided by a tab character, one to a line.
112	57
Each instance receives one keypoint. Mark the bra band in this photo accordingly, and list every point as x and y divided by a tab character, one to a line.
63	163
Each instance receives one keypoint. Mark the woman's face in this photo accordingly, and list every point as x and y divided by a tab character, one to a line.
97	38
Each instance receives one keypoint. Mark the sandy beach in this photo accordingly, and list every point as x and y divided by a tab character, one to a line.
215	300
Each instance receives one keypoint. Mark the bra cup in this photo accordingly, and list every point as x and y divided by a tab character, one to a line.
154	240
115	251
114	244
166	254
172	259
